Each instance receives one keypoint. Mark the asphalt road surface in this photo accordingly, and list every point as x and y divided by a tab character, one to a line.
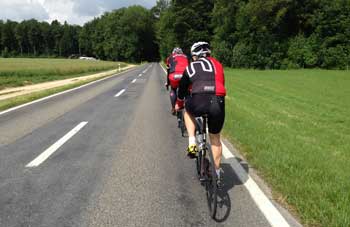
110	154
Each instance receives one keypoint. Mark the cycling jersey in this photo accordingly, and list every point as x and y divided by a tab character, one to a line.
176	63
206	75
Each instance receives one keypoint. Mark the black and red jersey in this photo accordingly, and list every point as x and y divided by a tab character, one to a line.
177	63
206	75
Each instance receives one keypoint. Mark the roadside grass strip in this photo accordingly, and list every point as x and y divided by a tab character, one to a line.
293	127
52	149
16	72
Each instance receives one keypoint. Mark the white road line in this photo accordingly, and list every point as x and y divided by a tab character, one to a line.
272	215
60	93
119	93
133	81
140	74
43	156
162	68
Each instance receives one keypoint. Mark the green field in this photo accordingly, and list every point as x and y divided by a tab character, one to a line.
294	128
23	71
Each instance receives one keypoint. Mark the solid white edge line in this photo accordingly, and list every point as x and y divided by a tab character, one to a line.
49	151
60	93
119	93
162	68
133	81
273	216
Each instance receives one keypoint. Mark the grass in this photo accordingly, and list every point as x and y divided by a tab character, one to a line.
12	102
294	128
24	71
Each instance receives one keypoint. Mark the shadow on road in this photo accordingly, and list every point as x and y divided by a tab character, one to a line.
230	180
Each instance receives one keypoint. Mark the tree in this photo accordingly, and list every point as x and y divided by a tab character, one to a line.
184	23
8	33
56	32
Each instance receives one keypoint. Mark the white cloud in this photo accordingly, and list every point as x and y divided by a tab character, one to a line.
22	10
72	11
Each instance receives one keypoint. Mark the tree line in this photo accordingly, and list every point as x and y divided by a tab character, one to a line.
33	38
264	34
126	34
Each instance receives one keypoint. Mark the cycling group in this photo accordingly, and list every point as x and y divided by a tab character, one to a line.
198	86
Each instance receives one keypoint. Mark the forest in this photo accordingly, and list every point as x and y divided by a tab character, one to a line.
262	34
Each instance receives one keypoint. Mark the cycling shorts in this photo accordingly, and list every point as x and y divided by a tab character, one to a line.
210	104
174	79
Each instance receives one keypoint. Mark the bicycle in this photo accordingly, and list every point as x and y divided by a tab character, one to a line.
205	167
181	122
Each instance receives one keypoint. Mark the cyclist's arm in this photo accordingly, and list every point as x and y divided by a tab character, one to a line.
184	84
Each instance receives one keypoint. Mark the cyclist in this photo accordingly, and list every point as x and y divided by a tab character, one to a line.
206	76
176	64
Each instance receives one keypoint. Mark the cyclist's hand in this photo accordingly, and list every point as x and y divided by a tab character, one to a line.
179	104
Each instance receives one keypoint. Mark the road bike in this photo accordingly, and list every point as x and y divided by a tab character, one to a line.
205	164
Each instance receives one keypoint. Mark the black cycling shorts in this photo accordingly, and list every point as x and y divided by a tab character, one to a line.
212	105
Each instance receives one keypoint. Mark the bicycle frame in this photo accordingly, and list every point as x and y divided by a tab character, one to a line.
205	167
202	145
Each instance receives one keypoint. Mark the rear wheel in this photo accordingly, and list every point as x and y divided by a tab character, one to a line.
211	186
198	163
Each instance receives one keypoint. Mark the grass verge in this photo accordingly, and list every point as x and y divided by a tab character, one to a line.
294	128
16	72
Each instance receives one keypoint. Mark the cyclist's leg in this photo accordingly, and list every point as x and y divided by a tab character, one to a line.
190	123
195	107
215	123
173	98
216	148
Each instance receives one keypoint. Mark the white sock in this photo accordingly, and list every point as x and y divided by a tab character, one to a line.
191	140
218	172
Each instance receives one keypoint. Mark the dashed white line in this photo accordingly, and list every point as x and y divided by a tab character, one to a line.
119	93
133	81
140	75
49	151
57	94
272	215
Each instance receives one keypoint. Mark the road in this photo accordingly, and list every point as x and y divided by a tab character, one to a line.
110	154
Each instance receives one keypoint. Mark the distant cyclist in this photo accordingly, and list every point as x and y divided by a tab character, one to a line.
206	76
176	65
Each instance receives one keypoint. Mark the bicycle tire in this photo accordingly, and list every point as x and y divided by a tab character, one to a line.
199	163
211	186
183	128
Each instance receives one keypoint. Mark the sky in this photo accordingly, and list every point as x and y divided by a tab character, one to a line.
72	11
